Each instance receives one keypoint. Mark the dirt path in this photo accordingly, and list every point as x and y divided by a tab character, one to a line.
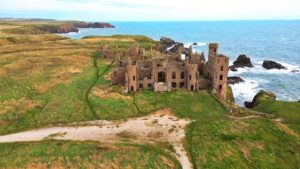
243	118
161	126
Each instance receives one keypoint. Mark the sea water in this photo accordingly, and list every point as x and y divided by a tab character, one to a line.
260	40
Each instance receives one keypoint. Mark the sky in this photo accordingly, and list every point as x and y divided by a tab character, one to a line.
151	10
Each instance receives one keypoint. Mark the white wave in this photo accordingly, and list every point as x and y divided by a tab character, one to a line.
169	48
188	44
245	91
258	69
201	44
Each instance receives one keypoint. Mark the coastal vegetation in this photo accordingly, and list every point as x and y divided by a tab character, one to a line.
50	80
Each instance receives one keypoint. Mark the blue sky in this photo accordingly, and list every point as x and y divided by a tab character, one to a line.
151	10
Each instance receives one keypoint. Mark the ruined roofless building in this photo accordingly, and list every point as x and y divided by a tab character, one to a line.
167	72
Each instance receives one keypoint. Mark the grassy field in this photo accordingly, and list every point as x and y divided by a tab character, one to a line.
46	80
59	154
289	112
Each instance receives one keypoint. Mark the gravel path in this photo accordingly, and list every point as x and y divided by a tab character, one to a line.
161	126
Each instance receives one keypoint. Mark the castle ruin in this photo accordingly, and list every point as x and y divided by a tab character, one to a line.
170	71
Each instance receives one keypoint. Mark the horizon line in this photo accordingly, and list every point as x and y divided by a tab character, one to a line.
200	20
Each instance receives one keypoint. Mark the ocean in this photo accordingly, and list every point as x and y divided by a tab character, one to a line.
260	40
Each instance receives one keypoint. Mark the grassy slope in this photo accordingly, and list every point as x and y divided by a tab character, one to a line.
213	140
288	111
60	154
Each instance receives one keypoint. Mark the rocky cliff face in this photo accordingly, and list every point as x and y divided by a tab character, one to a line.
169	45
74	27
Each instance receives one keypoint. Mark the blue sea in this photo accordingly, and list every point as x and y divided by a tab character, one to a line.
260	40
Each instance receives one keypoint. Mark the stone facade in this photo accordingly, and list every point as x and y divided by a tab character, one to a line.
169	71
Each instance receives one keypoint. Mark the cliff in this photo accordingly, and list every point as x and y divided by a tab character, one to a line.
62	27
74	27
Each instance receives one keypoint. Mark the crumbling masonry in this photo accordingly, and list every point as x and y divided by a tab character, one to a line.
170	71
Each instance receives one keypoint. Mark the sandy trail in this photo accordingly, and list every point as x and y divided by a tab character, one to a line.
161	126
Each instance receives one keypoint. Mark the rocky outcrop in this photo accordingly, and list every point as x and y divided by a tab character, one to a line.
177	47
241	61
268	64
169	45
234	80
94	25
261	95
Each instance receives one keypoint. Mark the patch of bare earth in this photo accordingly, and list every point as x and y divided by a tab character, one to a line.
61	76
161	126
3	27
105	93
285	128
21	106
247	147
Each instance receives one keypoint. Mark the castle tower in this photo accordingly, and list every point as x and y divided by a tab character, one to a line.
192	70
220	75
132	78
213	49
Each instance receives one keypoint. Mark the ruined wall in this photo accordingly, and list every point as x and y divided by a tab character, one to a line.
118	76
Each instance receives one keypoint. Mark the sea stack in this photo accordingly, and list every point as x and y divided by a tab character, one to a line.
241	61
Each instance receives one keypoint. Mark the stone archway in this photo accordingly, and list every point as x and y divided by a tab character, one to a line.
161	76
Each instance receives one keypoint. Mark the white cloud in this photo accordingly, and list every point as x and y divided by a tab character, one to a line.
162	9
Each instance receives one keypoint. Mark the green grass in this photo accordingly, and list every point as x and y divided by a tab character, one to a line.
288	111
138	38
16	39
62	154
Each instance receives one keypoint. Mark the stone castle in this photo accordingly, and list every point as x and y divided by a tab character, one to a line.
170	71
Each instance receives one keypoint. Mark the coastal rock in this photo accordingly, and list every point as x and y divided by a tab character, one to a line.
177	47
94	25
74	27
241	61
268	64
168	42
261	95
232	68
295	71
194	44
169	45
234	80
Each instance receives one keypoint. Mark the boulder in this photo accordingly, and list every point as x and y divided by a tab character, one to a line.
268	64
261	95
294	71
232	68
241	61
234	80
